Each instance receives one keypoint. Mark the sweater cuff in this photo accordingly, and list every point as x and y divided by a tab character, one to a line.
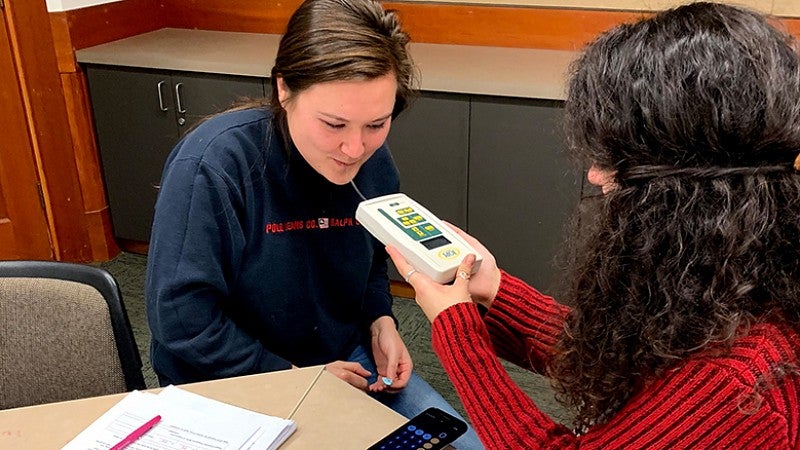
378	308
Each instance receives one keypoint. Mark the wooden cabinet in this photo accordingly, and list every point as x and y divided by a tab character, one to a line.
139	117
522	188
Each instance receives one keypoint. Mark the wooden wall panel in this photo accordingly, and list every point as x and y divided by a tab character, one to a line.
111	21
87	160
561	29
62	40
792	26
445	23
86	154
467	24
522	27
255	16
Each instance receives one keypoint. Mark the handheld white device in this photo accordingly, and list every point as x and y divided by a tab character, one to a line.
423	240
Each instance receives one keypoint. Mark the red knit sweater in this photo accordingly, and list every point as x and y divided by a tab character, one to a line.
705	403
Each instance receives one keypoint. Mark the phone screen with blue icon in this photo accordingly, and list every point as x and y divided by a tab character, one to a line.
431	429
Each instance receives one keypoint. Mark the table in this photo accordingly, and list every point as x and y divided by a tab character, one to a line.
331	412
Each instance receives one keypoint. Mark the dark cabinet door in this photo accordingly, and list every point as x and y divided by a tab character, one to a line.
198	96
430	145
135	132
522	189
139	117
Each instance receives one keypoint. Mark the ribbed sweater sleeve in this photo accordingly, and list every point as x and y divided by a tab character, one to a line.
706	403
524	324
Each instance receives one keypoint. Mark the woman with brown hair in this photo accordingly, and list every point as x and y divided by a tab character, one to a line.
256	261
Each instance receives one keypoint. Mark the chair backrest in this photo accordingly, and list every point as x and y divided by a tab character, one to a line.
64	334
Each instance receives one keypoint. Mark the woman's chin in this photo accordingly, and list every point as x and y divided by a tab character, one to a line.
341	175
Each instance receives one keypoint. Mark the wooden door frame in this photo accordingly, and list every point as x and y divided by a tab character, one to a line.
24	232
78	230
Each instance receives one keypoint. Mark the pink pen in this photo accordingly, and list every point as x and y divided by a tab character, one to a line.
137	433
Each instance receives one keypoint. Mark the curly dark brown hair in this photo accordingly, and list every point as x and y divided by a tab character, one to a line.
697	110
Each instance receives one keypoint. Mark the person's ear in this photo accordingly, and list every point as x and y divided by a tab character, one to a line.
283	91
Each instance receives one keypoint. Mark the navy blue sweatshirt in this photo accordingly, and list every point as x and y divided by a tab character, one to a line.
256	261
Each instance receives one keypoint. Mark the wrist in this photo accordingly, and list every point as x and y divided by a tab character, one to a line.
380	324
496	279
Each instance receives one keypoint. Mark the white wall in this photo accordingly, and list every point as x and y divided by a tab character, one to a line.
64	5
789	8
779	7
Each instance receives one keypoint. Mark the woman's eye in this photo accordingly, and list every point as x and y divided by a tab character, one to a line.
376	126
335	126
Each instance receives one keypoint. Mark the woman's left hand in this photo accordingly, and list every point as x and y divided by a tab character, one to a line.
433	297
391	356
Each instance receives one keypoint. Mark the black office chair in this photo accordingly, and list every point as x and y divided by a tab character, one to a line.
64	334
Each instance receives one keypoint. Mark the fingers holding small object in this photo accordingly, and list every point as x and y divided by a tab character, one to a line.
409	273
386	381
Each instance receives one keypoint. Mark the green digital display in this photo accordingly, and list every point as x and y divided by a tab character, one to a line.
413	224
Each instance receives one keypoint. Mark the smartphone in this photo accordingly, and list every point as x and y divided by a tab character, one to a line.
431	429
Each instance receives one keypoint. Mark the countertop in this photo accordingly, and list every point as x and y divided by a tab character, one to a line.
497	71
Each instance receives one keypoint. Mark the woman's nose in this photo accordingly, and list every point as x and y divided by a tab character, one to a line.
353	145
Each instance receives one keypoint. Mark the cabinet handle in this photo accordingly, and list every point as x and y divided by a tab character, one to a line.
178	98
161	97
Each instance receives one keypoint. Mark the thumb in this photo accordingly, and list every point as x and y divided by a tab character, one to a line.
464	270
391	366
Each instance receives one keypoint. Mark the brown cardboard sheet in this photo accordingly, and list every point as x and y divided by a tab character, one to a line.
326	409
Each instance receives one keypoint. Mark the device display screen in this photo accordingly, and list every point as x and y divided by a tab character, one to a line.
436	242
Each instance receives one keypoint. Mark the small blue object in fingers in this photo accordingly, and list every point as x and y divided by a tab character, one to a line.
387	381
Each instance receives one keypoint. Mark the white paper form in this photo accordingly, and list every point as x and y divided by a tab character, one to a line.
271	433
202	424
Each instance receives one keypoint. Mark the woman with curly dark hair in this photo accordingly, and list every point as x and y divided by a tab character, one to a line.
684	325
